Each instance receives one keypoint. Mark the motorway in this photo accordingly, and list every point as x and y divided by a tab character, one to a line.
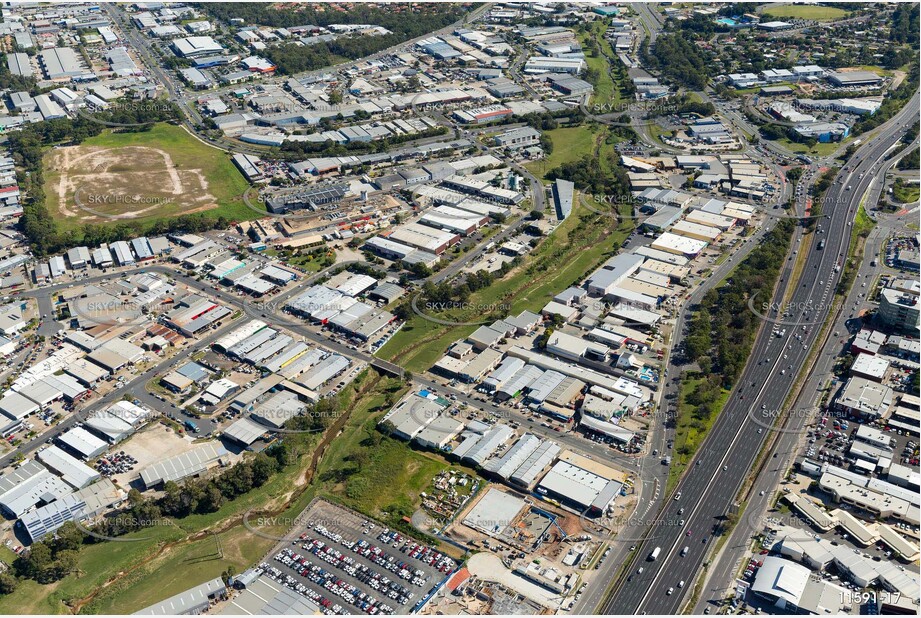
721	575
710	487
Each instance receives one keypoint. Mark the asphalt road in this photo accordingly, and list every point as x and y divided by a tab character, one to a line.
710	486
721	575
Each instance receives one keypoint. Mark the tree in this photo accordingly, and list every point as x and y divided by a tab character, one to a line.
263	469
8	583
67	537
212	499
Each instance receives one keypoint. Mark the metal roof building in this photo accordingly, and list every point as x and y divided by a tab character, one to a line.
118	421
324	371
410	416
541	388
387	292
579	488
141	248
17	407
245	431
504	372
514	457
477	453
439	432
42	392
49	109
263	596
854	78
80	505
120	62
82	442
122	253
60	63
196	46
278	409
193	601
28	485
523	379
187	464
76	473
18	64
535	463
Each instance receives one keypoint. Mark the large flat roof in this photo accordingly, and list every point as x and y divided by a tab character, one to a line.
181	466
267	597
192	601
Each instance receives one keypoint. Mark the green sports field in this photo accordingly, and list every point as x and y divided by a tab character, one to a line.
799	11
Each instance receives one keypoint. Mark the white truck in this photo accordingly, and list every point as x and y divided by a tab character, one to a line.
654	553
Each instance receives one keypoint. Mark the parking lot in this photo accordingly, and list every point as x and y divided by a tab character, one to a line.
344	562
830	441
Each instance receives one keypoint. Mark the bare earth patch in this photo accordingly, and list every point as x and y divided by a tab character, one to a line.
124	183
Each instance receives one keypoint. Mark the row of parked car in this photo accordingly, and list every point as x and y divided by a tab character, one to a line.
323	578
362	573
326	606
420	552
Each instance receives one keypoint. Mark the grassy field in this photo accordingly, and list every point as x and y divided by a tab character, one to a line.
863	224
374	474
656	132
690	432
820	149
905	193
607	94
569	144
818	13
174	570
561	260
141	177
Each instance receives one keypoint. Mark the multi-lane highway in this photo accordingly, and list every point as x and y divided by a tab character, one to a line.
709	488
721	575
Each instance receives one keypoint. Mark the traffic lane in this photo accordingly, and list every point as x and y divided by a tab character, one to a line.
661	606
811	258
706	480
788	444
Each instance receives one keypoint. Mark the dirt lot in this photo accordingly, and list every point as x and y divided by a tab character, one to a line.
94	184
148	446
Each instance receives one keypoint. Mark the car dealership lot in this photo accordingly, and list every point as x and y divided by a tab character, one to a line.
348	564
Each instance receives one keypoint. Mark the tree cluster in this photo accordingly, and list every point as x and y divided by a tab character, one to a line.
722	330
905	24
678	57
